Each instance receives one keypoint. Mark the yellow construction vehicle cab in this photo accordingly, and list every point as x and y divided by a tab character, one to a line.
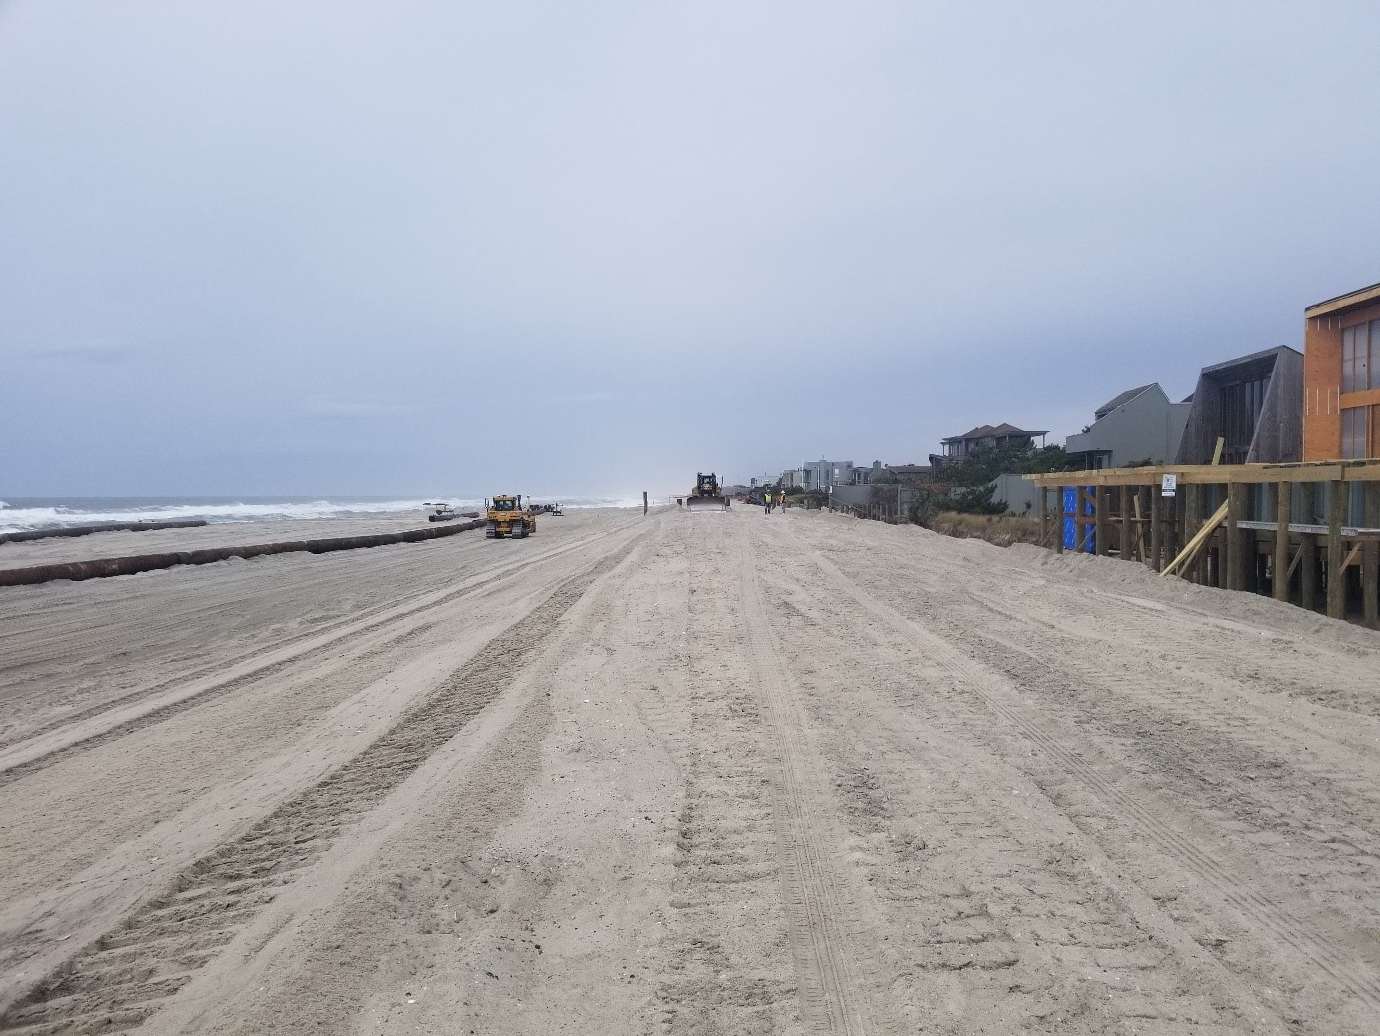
509	516
706	494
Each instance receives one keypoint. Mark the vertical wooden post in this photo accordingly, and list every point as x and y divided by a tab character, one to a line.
1180	536
1206	556
1157	530
1210	573
1059	519
1155	559
1191	524
644	501
1100	518
1236	561
1283	491
1370	558
1127	546
1336	578
1308	549
1044	517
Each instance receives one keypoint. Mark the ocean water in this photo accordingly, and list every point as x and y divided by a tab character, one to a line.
20	513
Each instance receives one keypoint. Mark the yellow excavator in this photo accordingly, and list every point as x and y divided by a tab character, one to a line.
707	494
509	516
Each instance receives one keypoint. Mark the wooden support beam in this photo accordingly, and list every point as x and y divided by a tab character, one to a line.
1101	519
1194	523
1044	517
1207	559
1308	549
1157	530
1280	564
1217	452
1236	557
1180	536
1140	502
1308	570
1199	538
1125	548
1370	559
1059	523
1298	556
1336	576
1350	471
1082	532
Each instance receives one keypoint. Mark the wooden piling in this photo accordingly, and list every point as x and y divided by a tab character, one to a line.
1336	575
1308	549
1059	519
1280	561
1126	548
1180	536
1190	508
1155	559
1101	518
1236	546
1236	553
1370	559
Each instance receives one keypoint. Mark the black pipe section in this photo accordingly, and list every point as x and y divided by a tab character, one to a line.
86	530
100	568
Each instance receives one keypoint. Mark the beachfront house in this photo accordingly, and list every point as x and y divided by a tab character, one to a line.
1140	424
1254	403
956	448
819	474
1341	377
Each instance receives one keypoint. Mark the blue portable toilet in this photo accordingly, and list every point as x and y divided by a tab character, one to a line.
1090	509
1070	513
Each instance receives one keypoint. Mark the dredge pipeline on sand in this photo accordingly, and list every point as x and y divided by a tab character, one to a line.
100	568
87	530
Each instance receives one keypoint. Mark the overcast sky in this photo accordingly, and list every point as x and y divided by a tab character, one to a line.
401	247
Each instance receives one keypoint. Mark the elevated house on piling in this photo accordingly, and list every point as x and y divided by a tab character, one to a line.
1305	531
1254	403
1341	377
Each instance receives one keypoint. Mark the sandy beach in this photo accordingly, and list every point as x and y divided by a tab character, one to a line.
687	774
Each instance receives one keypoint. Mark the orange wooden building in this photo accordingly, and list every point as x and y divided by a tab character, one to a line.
1341	377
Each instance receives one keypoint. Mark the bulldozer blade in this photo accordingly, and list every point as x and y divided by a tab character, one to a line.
707	503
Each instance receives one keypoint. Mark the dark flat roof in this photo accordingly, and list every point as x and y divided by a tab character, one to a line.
984	430
1351	298
1122	399
1250	358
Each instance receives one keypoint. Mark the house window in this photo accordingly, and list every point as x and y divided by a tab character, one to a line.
1354	439
1241	403
1361	357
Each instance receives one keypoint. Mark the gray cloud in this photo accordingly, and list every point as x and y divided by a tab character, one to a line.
82	355
378	247
354	410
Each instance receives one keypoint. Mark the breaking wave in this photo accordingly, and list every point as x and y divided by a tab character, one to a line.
23	515
47	513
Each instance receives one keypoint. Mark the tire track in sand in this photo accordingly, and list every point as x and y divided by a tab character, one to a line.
817	900
315	640
122	978
1264	911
